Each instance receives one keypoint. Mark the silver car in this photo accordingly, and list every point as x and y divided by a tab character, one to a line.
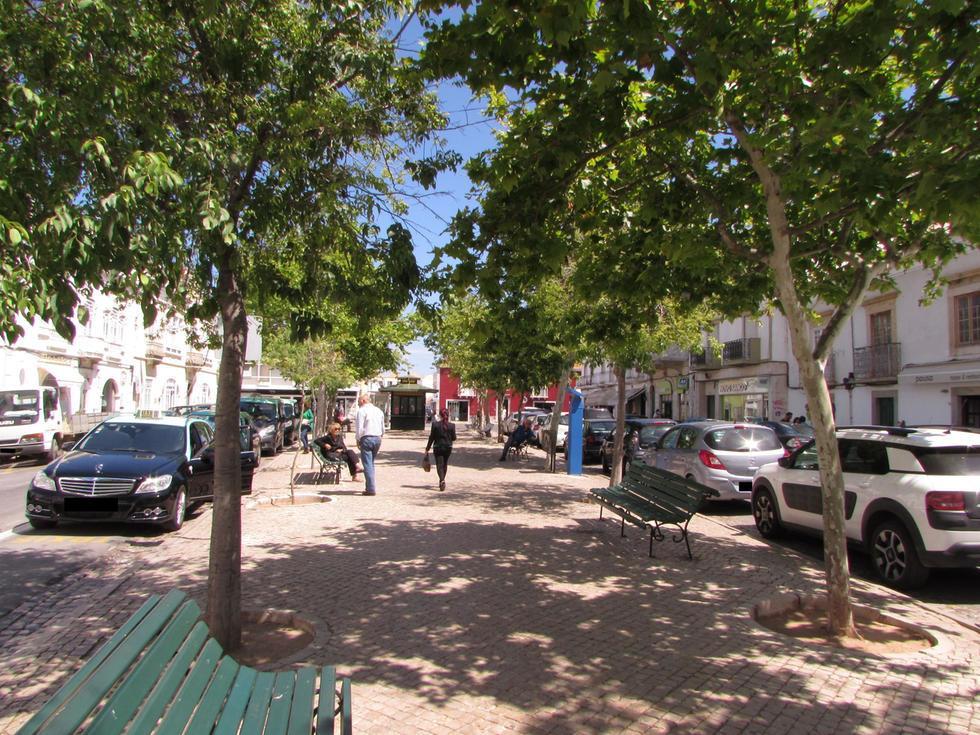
721	455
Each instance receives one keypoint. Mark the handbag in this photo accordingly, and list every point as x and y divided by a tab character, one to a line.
426	464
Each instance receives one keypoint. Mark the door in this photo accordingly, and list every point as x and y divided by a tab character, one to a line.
200	481
970	411
800	500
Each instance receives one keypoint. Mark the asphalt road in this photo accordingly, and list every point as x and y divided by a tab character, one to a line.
957	591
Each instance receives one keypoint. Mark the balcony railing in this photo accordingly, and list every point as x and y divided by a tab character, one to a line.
878	362
195	358
830	369
155	349
746	349
706	360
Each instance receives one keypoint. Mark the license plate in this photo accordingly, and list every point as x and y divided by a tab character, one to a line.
91	505
745	487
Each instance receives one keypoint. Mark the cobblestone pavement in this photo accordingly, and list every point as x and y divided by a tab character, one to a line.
504	605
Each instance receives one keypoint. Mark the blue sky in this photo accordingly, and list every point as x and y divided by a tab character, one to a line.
468	133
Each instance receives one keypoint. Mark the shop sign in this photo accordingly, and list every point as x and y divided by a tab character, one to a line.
683	383
743	385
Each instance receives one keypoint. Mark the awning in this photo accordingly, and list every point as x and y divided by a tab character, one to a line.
941	373
635	394
599	396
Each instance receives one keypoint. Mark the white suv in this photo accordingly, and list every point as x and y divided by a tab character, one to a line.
911	498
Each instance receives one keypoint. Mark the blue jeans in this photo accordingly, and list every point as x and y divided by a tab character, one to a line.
304	436
369	449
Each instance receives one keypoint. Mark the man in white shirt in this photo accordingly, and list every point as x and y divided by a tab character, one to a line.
369	428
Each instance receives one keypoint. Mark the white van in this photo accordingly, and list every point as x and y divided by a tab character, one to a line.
31	423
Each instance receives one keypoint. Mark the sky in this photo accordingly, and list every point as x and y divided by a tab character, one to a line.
469	132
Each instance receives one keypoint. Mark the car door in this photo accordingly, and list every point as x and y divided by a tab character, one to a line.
864	463
799	499
665	457
201	478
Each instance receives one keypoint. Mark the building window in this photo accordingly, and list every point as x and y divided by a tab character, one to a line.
170	394
968	318
881	328
147	399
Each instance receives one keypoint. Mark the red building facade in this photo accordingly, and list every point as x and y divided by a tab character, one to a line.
463	403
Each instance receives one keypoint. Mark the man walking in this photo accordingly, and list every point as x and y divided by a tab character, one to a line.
369	428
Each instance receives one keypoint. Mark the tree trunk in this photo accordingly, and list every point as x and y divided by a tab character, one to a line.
225	564
552	448
616	471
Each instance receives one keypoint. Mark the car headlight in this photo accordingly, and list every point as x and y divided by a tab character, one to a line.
155	484
42	481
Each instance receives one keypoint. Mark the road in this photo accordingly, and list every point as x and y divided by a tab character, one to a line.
32	560
955	591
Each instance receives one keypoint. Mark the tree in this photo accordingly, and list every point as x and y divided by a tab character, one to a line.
201	150
785	152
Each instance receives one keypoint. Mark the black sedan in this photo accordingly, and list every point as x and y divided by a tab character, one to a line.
638	433
131	469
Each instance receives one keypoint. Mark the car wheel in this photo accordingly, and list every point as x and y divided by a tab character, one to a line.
766	514
896	561
42	523
180	510
55	450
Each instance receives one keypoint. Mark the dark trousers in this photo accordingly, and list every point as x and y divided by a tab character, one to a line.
442	462
349	456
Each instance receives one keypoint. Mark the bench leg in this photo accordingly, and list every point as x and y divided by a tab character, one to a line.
651	542
687	543
622	528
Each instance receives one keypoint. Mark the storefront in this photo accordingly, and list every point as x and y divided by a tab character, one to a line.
941	393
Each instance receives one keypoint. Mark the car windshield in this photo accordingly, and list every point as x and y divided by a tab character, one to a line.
742	439
563	421
134	437
18	403
950	460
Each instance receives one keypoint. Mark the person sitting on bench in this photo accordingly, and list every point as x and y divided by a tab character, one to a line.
521	436
333	446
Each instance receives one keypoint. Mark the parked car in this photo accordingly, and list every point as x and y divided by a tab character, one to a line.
188	409
631	439
647	440
594	433
130	469
266	413
911	498
514	420
290	421
544	427
792	436
248	433
722	455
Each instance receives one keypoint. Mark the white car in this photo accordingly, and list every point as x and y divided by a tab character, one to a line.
911	498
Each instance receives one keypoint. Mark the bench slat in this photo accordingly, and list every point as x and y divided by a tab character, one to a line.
68	689
301	712
119	710
241	690
210	705
325	705
164	689
282	700
191	690
258	704
89	693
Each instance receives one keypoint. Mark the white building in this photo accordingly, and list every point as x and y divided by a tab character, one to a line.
114	364
897	359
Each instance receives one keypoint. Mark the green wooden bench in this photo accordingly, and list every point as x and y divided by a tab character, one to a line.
163	673
329	468
653	498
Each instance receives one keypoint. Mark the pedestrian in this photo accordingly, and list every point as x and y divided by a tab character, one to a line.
369	429
333	446
442	435
305	427
787	417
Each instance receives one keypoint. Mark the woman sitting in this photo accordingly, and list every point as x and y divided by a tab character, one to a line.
332	444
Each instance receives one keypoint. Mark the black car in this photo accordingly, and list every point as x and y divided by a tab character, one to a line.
594	433
791	436
269	420
248	432
638	433
130	469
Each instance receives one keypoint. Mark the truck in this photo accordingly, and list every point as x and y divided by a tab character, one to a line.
32	423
